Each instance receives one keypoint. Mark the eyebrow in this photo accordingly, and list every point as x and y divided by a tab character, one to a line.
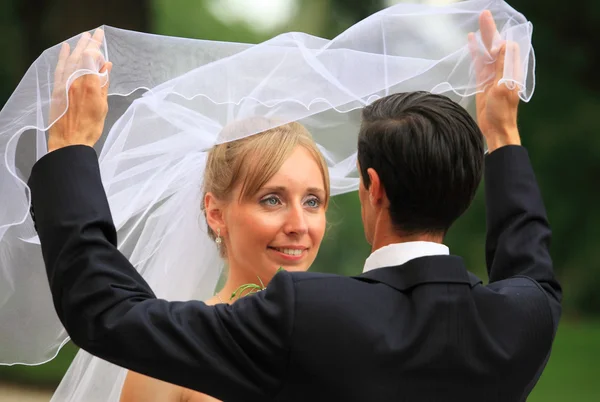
284	189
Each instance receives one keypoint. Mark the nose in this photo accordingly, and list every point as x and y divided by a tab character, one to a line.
296	221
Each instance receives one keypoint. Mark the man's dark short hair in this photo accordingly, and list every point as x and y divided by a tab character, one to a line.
428	152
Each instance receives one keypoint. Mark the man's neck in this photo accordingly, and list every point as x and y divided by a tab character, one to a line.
385	235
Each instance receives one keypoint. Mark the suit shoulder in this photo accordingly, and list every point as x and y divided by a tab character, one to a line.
522	297
320	287
299	277
517	284
312	282
290	282
290	287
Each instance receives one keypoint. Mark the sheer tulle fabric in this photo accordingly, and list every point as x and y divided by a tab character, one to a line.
171	100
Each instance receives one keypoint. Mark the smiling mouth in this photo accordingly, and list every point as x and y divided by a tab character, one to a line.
289	251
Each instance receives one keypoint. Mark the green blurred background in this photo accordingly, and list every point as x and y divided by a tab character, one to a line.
559	127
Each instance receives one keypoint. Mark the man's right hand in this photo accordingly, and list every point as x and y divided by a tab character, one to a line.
497	105
80	115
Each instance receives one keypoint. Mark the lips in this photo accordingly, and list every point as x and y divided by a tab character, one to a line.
293	252
289	251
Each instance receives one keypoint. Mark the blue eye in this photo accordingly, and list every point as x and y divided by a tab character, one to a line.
313	203
270	201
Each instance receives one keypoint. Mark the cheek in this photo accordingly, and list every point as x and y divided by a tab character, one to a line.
254	229
361	200
316	228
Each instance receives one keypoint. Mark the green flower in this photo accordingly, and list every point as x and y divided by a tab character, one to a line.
250	288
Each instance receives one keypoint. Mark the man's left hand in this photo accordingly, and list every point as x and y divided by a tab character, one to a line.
497	104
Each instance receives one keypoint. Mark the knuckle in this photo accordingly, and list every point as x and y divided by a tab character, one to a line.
73	90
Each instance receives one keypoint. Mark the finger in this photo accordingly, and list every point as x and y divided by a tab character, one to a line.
75	57
472	45
487	26
96	40
63	55
515	52
92	60
107	67
500	62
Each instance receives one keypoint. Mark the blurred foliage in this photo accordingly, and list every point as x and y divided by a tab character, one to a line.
558	126
560	129
572	372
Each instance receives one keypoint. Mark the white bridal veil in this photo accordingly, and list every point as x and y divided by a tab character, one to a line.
170	100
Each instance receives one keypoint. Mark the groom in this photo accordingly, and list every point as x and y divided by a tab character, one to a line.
415	326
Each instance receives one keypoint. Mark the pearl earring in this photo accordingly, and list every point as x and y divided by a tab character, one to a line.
218	240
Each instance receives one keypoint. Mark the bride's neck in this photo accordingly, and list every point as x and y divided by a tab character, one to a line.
235	279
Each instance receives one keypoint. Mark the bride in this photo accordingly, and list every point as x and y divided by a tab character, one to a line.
265	201
174	104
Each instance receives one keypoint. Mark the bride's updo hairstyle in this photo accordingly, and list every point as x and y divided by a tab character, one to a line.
253	160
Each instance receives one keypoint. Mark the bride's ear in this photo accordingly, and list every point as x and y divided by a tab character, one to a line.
214	212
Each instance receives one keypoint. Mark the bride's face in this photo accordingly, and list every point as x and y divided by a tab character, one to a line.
280	226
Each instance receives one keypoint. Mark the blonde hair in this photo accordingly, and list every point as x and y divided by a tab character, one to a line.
254	160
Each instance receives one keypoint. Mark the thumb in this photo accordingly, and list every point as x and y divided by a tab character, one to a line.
107	67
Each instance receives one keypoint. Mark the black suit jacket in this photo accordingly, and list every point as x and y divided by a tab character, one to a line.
427	330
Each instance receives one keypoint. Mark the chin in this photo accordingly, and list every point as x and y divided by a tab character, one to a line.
296	268
299	266
293	264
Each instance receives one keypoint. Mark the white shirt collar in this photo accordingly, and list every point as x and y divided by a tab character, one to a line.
400	253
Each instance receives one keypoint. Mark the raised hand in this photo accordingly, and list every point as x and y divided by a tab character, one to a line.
86	103
498	103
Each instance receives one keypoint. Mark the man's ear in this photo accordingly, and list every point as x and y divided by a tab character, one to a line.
214	213
376	191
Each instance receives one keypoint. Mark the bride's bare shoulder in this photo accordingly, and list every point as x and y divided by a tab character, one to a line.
212	301
189	395
141	388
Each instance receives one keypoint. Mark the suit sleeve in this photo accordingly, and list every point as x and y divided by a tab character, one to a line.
236	352
518	232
